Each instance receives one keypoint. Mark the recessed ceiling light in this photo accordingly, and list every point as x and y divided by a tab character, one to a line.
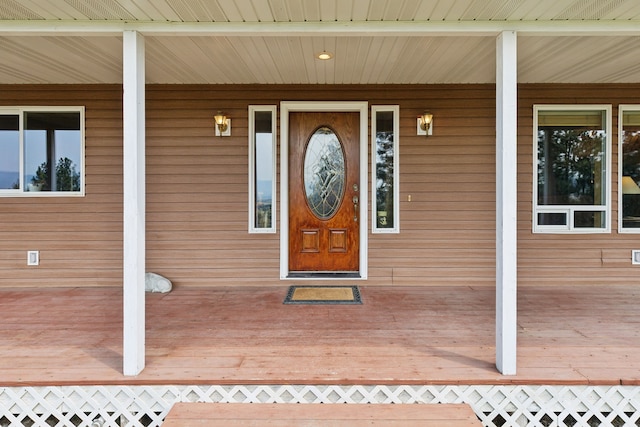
324	55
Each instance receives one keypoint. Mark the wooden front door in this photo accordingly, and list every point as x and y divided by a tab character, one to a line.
324	192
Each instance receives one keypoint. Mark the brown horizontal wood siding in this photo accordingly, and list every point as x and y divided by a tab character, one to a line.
582	259
197	192
197	186
79	238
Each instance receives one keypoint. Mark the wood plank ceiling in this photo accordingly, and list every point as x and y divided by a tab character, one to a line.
367	56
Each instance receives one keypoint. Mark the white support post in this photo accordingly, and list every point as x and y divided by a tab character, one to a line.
134	202
506	202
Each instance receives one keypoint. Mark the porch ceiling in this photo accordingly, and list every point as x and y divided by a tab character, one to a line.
275	41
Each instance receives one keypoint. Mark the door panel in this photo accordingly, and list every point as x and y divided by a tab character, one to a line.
324	192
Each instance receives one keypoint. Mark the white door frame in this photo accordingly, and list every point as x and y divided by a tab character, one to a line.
321	106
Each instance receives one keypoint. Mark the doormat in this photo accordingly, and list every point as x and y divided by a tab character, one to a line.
323	295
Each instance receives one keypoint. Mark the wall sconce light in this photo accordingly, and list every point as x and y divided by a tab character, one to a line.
223	124
425	124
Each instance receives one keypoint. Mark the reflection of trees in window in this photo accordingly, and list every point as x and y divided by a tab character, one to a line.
631	154
263	214
384	177
67	177
570	166
41	177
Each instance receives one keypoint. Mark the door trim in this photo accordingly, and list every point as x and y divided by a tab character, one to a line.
322	106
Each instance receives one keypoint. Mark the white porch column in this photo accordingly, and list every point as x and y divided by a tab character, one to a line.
506	201
134	202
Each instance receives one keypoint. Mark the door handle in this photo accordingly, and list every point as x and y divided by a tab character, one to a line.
355	201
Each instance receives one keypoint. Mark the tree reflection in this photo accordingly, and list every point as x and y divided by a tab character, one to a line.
384	178
570	166
67	177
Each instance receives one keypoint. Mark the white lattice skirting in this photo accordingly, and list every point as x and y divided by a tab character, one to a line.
147	406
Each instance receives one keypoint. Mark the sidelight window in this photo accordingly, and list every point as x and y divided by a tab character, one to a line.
385	158
262	169
42	151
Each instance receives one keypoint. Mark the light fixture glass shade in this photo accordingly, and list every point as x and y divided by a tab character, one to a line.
221	122
425	120
629	186
425	124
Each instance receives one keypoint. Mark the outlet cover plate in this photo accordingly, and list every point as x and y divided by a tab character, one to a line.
33	257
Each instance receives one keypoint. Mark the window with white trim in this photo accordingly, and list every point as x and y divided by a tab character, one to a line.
42	151
571	168
262	168
385	164
629	158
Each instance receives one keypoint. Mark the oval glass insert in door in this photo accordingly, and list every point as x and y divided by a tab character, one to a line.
324	173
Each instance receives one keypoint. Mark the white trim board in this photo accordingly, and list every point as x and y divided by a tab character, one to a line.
319	106
311	29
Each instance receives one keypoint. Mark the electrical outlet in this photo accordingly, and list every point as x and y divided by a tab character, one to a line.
635	257
33	257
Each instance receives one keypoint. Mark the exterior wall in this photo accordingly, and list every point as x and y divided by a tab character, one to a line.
79	238
197	192
579	258
197	186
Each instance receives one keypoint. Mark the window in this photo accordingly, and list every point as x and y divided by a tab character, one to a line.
629	149
262	169
571	190
385	149
42	151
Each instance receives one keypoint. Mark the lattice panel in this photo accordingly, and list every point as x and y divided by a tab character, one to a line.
148	406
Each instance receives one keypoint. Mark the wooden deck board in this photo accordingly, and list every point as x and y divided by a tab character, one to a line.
407	335
337	415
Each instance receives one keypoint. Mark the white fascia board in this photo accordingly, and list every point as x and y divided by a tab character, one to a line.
313	29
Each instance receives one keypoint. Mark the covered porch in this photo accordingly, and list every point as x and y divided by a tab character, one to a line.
61	352
243	43
567	335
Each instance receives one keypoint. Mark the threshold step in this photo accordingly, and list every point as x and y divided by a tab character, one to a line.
316	414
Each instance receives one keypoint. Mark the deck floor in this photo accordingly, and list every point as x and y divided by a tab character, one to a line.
410	335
